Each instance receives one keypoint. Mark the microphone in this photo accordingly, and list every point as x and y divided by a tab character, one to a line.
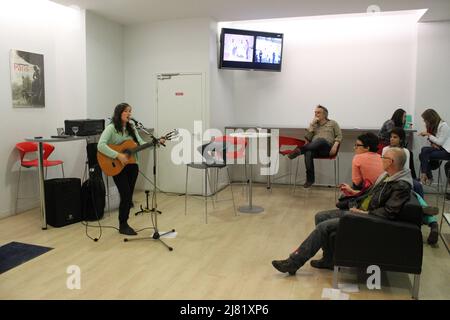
137	123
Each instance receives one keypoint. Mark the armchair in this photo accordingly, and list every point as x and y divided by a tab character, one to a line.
364	240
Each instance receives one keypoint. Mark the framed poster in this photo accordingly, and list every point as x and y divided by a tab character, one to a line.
27	79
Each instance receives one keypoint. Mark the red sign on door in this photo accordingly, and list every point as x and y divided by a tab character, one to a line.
179	93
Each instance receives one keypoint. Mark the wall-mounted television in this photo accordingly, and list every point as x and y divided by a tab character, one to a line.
246	49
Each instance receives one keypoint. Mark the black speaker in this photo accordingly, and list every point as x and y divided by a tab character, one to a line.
62	201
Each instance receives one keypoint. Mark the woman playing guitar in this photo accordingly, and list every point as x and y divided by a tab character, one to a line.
116	133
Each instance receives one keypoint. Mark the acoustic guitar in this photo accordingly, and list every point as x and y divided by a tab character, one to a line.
112	167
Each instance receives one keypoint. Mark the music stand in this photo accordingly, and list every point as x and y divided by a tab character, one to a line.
154	210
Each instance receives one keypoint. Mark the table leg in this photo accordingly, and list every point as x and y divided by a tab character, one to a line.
250	208
41	184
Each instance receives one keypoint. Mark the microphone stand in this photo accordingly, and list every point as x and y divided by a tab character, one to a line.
154	210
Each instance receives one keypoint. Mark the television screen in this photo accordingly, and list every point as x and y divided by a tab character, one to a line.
268	50
238	47
254	50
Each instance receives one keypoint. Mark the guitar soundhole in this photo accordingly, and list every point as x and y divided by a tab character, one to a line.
113	164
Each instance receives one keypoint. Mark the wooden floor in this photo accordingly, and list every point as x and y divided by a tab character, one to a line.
228	258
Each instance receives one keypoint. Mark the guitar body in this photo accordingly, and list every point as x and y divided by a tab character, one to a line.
112	167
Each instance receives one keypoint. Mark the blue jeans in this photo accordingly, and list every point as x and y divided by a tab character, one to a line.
429	153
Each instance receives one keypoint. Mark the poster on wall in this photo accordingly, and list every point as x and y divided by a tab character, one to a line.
27	79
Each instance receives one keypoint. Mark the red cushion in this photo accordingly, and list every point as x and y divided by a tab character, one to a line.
35	163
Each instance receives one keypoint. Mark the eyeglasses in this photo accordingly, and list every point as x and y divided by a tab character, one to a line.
383	157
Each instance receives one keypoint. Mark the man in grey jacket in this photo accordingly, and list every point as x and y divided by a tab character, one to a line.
385	199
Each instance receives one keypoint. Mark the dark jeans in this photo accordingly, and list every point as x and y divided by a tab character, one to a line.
317	148
327	222
429	153
417	188
125	182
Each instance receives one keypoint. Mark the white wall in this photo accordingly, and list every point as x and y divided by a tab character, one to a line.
162	47
221	87
104	65
433	74
104	74
361	68
57	32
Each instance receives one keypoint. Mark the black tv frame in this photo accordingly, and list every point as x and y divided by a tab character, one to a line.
249	65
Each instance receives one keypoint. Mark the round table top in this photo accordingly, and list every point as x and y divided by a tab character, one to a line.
250	134
53	139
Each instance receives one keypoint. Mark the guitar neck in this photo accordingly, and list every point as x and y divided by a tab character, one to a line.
142	147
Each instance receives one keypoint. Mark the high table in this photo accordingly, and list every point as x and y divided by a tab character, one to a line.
250	208
40	141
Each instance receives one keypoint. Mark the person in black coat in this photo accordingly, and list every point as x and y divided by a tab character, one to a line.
385	199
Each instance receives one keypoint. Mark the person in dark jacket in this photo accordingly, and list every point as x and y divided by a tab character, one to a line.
385	199
397	120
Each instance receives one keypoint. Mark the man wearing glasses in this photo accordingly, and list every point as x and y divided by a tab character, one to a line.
385	199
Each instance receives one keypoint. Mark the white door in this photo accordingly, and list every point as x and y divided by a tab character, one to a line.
179	104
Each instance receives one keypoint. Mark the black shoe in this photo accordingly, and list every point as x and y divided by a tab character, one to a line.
434	234
322	264
285	266
308	184
294	154
126	229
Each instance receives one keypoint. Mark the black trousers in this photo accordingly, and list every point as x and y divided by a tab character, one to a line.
125	182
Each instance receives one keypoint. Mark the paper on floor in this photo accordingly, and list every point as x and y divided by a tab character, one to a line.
334	294
349	287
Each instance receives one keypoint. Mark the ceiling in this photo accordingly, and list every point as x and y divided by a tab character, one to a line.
128	12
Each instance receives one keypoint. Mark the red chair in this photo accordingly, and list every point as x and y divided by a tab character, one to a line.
287	145
335	159
25	148
238	149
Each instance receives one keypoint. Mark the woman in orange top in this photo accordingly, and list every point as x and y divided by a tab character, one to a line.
366	164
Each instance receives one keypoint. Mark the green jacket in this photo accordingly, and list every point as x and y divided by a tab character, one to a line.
111	136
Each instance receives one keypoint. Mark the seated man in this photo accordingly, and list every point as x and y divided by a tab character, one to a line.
385	199
397	140
324	136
